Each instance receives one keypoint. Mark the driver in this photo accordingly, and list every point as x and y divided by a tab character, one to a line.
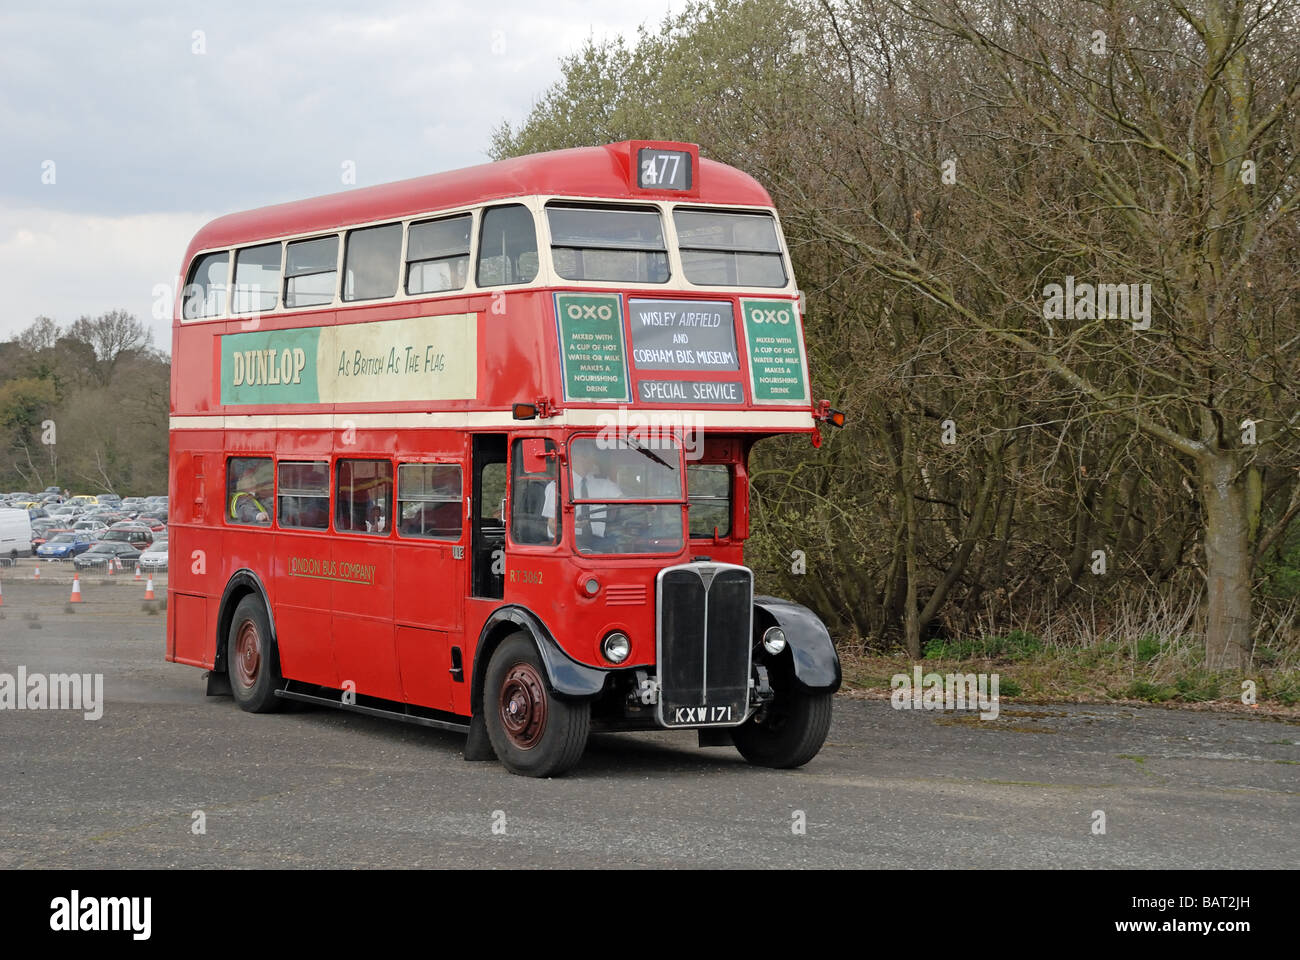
246	505
588	519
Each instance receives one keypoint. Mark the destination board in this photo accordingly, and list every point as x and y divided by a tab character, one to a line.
691	391
686	335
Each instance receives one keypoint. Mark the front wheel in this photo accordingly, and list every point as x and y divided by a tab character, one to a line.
534	732
788	733
254	674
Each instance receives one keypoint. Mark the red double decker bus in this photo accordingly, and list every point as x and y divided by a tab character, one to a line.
470	450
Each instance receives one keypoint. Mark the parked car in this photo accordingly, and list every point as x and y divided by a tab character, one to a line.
101	554
153	521
127	532
89	524
154	556
63	545
48	534
85	500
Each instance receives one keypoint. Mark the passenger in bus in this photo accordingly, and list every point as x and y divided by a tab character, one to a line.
588	519
375	522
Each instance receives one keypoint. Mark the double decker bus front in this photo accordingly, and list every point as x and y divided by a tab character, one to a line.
680	345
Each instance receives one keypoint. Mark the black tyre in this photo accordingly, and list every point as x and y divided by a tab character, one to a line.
788	733
254	672
534	732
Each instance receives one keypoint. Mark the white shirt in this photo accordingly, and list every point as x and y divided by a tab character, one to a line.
597	488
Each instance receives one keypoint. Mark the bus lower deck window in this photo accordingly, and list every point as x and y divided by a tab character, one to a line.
364	497
250	490
304	500
429	501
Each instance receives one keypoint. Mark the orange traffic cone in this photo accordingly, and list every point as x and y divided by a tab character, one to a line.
2	595
138	578
148	589
36	573
76	588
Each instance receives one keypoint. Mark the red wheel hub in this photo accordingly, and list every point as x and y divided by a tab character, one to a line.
248	654
522	705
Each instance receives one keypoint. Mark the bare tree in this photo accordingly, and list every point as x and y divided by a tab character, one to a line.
113	336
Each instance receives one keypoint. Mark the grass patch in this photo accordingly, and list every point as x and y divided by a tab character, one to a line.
1148	648
1148	691
1017	645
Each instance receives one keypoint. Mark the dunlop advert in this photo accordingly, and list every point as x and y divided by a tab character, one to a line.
413	359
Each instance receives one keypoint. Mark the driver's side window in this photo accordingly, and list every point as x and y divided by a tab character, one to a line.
535	497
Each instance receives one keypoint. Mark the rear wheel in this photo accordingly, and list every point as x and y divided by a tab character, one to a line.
534	732
788	733
254	674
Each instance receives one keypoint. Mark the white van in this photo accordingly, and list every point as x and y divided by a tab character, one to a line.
15	534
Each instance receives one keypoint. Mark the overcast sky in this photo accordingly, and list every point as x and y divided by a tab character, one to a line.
125	126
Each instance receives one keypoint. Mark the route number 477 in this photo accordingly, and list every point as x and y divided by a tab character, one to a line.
655	169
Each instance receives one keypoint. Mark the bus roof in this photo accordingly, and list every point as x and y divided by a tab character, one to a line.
578	172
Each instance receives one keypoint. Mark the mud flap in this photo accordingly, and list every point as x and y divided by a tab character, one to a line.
477	744
218	684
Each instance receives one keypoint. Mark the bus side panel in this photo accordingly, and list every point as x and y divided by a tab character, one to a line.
194	549
189	637
519	352
423	660
363	615
302	603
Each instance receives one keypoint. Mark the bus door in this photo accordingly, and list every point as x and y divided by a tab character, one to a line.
487	553
488	517
429	574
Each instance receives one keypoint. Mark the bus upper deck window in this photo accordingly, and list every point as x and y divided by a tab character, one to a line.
620	244
725	249
437	255
205	293
257	278
370	263
311	272
507	250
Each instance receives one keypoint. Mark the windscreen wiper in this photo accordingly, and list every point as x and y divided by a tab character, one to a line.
648	453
